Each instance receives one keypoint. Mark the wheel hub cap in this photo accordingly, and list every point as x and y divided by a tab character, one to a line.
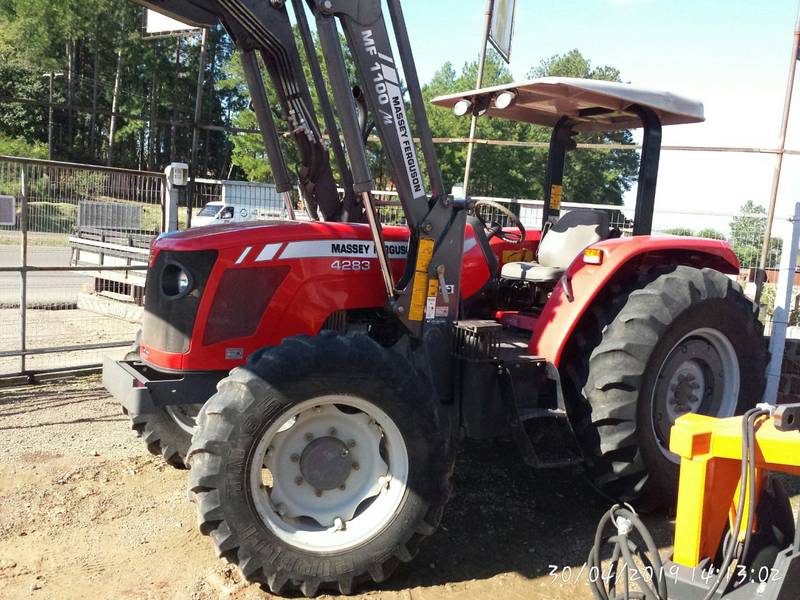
329	473
699	375
326	463
317	475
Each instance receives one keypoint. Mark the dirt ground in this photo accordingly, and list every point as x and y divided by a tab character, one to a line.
85	512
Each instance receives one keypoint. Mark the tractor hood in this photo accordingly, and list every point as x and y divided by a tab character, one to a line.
219	237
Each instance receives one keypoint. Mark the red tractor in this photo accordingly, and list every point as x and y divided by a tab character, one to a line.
317	376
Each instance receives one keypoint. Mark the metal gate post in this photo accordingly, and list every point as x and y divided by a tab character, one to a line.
23	271
783	307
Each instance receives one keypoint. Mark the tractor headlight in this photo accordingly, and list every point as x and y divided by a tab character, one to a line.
505	99
176	281
462	107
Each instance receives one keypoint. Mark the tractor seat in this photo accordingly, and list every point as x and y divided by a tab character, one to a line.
560	245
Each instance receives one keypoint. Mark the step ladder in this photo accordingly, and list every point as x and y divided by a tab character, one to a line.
543	435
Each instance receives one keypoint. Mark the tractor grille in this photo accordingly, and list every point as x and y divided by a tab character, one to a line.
240	301
169	320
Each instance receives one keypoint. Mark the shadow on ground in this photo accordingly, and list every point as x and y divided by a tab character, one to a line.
506	517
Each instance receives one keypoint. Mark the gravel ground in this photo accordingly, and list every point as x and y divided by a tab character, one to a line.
85	512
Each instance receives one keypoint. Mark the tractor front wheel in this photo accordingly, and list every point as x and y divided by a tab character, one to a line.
168	430
321	463
686	341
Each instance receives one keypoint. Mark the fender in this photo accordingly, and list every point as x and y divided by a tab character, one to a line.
560	316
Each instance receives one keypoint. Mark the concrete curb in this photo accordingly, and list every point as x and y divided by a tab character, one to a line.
110	308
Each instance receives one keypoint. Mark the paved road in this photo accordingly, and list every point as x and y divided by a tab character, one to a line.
42	287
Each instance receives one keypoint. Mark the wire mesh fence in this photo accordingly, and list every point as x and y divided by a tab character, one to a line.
79	241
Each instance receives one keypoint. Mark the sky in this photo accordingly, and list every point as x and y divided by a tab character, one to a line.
733	55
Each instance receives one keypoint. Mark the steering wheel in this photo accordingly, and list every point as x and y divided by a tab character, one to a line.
494	229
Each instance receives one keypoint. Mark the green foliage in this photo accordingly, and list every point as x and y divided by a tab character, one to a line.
711	234
21	147
708	232
88	42
747	236
679	231
768	303
81	41
52	217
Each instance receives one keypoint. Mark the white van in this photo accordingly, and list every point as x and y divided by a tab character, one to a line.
242	201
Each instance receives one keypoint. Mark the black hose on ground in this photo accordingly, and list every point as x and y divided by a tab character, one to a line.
652	585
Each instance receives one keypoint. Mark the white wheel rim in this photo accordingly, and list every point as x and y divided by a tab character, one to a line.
688	382
316	445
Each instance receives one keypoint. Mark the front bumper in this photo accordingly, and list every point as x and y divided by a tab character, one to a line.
143	389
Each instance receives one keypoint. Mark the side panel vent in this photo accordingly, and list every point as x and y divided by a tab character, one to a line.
241	299
476	339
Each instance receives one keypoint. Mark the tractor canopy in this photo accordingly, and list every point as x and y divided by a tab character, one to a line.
593	105
570	106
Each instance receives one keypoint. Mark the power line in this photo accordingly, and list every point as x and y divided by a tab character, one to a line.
437	140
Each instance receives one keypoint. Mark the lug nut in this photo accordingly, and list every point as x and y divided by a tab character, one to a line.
356	466
298	480
318	493
343	487
309	436
295	457
332	431
351	443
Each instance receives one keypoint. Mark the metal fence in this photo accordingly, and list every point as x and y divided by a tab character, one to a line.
79	241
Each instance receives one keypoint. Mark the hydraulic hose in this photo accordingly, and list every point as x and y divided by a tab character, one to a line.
625	549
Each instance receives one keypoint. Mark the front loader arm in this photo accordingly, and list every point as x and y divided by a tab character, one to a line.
428	293
263	27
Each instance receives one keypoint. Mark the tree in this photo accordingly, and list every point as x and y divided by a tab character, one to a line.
679	231
157	84
711	234
747	236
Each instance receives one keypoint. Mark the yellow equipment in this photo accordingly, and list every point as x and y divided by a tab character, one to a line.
735	536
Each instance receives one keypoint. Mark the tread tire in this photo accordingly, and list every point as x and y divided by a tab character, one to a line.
160	433
252	397
626	343
162	436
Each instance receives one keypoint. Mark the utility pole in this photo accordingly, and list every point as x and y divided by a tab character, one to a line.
50	119
474	122
112	128
776	177
198	106
50	76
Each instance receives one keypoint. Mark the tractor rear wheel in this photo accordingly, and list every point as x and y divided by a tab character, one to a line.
321	463
167	432
687	340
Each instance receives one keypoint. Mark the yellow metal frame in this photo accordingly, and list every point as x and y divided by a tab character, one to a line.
711	463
